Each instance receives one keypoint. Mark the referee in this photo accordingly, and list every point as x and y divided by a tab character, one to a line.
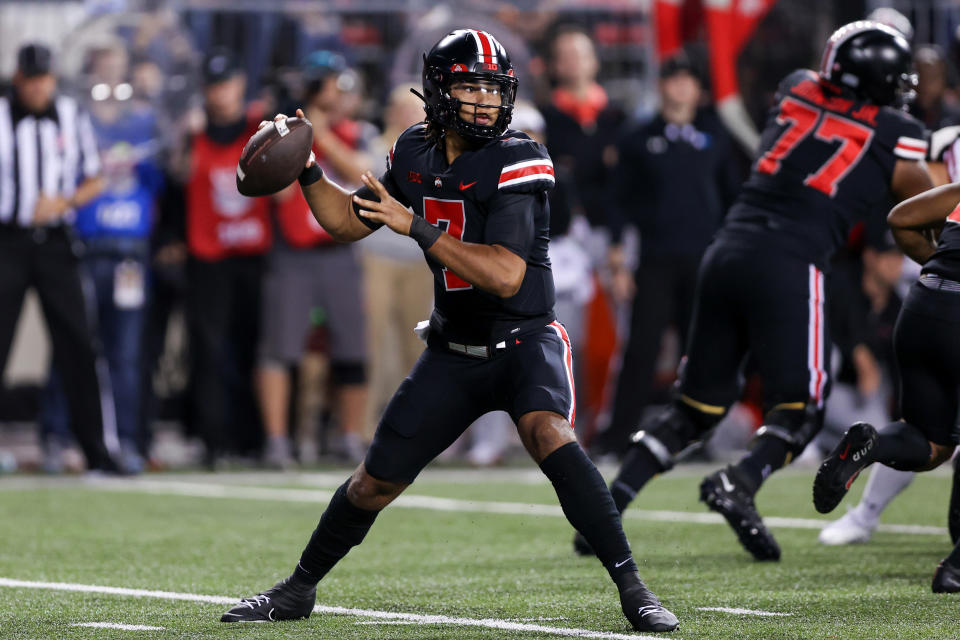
48	166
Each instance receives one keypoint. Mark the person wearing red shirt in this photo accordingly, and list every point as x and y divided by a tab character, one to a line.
227	236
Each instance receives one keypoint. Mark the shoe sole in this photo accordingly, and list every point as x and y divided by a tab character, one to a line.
753	539
834	477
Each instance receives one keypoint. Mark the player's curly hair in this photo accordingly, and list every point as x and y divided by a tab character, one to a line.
434	133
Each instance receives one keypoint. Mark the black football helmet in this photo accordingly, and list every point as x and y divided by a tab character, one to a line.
873	61
467	55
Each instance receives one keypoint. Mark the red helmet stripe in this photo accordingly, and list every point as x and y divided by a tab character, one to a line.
485	45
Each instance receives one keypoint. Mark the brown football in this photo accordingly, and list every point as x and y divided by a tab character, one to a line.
274	156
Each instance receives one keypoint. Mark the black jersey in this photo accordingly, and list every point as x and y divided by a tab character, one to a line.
496	194
945	148
826	161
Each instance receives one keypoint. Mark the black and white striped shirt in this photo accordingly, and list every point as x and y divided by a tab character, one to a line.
49	153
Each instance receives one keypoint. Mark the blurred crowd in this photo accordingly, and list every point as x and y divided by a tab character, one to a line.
241	322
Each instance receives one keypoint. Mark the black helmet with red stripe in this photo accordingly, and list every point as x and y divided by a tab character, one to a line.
467	55
871	60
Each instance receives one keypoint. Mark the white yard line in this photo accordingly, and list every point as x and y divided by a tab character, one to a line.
413	618
117	625
743	612
210	490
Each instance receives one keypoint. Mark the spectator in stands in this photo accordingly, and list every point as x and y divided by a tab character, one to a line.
931	106
227	237
581	126
308	271
397	282
581	133
115	229
675	180
48	167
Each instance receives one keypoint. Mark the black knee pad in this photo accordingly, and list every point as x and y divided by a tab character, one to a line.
795	423
348	373
672	430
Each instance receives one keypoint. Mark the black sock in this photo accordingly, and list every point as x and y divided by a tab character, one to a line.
588	506
639	466
766	456
342	527
903	447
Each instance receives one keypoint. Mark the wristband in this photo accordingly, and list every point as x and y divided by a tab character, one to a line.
423	232
311	174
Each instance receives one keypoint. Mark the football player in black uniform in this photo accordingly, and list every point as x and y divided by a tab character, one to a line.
834	145
478	192
927	346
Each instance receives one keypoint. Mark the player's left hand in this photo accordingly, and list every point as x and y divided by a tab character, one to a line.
388	211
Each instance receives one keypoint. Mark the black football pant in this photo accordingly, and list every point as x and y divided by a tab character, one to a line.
45	260
926	341
664	296
765	303
223	317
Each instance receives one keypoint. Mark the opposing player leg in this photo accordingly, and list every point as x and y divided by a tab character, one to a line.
927	353
539	394
434	405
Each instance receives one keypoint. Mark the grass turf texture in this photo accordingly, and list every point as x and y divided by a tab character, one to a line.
511	567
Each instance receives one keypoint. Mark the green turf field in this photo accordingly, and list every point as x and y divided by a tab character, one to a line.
235	534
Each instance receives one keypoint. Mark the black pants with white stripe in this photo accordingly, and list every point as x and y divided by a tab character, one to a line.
44	259
764	303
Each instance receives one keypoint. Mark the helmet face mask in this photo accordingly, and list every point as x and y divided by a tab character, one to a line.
475	59
871	60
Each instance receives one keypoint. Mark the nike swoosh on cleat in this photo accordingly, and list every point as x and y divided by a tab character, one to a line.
235	615
727	485
464	187
846	452
270	615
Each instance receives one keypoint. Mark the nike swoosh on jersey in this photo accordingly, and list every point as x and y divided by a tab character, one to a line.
464	187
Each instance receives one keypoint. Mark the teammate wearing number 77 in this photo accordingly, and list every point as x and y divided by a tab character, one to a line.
835	144
478	194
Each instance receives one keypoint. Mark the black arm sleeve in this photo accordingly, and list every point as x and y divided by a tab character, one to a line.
510	222
364	192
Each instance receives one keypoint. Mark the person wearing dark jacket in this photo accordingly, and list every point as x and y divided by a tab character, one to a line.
675	179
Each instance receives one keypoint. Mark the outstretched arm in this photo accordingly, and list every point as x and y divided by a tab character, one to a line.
492	268
330	203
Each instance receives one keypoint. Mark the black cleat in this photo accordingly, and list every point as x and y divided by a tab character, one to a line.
946	579
581	547
725	493
644	611
854	453
953	515
283	601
